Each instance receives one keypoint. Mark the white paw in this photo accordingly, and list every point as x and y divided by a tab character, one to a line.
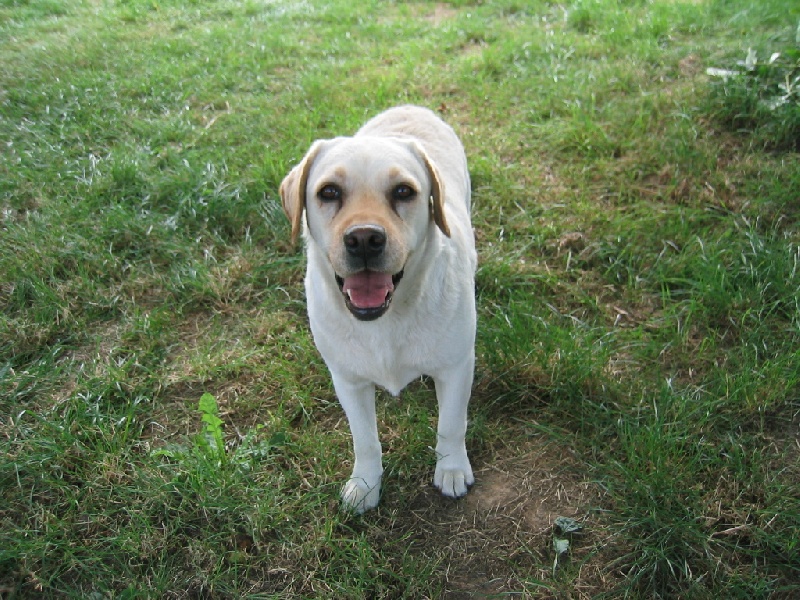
453	480
359	497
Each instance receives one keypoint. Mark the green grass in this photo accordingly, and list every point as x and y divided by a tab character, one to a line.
639	323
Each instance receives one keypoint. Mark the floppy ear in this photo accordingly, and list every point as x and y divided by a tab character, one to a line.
437	191
293	189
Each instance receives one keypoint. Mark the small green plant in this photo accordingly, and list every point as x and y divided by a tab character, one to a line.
564	529
210	450
210	442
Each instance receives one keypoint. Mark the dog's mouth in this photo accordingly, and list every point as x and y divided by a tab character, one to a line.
367	293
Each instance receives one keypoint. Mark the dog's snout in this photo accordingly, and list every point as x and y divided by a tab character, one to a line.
365	241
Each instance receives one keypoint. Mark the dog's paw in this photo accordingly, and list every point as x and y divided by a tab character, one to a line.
358	496
453	481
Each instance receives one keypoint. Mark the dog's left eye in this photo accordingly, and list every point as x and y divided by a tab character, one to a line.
330	193
403	192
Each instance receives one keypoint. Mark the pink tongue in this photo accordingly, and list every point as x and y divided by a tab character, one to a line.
368	289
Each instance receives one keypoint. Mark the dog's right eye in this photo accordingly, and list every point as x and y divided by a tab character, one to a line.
403	192
330	193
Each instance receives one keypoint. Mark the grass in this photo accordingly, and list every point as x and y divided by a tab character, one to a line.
638	364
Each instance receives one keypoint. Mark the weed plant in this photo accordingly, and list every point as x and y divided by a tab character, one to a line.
761	97
167	429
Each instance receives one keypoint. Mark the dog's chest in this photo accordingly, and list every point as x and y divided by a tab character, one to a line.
387	356
394	380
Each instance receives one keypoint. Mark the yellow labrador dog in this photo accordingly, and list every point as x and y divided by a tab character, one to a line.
390	279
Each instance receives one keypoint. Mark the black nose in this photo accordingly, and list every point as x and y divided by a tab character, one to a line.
365	241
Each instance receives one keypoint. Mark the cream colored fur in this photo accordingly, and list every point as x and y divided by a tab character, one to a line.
429	326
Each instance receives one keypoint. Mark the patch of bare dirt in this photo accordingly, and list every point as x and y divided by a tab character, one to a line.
515	503
441	13
499	538
532	487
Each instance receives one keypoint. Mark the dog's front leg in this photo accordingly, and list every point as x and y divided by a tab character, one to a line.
453	472
362	491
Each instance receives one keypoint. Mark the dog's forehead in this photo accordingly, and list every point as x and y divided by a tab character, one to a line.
367	159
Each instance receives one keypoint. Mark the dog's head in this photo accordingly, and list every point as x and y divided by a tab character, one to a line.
368	202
